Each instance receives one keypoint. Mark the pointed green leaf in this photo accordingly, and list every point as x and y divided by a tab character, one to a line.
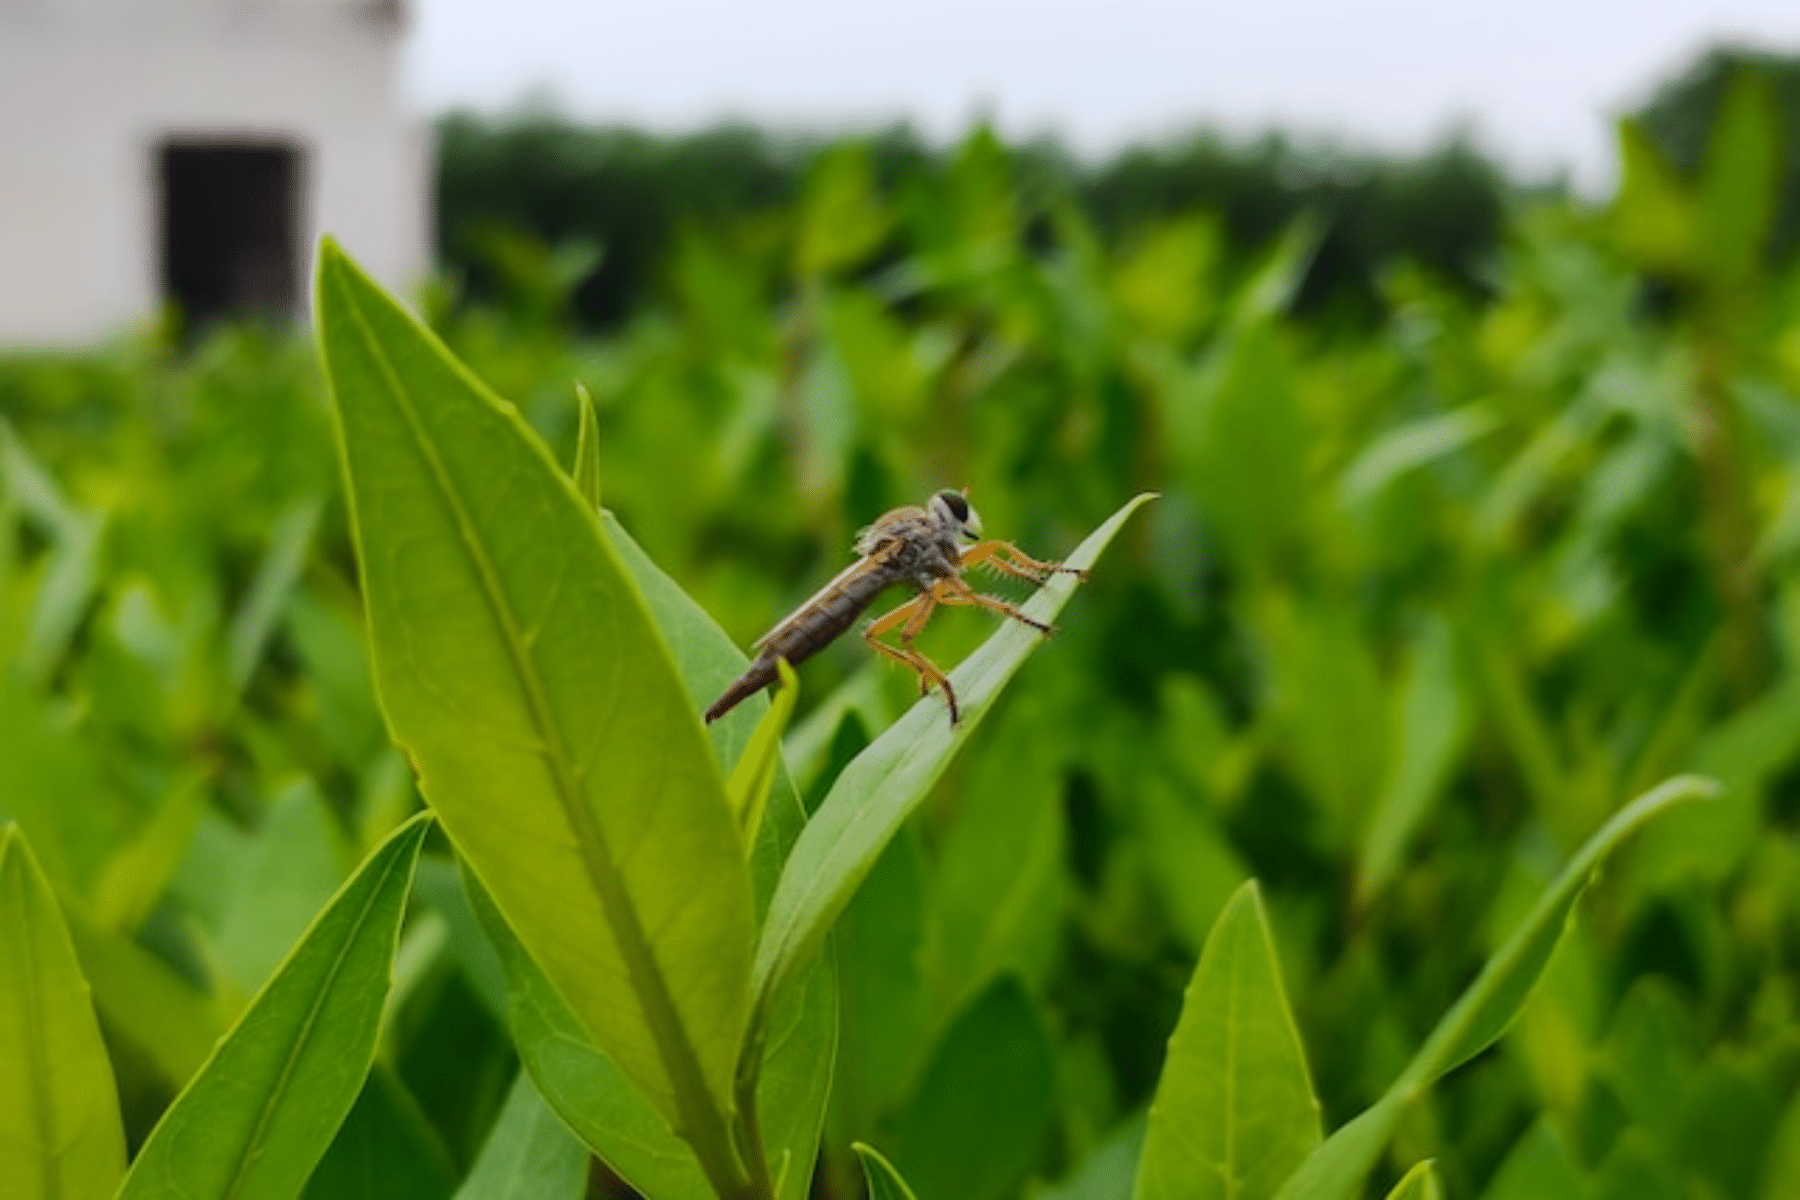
1539	1167
1234	1112
1654	217
520	670
748	787
1430	726
876	793
134	878
1420	1183
529	1154
1740	178
1336	1170
60	1135
263	1109
587	448
800	1036
275	578
585	1087
884	1181
288	873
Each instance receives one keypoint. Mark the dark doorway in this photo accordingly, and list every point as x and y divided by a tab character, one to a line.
230	229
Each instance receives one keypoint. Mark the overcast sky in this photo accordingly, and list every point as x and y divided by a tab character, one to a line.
1536	80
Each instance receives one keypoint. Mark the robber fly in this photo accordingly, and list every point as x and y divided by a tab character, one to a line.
923	548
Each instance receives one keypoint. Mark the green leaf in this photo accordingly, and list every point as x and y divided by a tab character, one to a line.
287	875
884	1181
529	1154
1335	1170
440	885
586	472
1740	178
1420	1183
520	670
748	787
797	1043
147	1004
1194	865
1781	1172
385	1150
592	1095
1245	451
841	218
134	878
1430	727
60	1135
878	944
975	1124
1109	1169
263	1109
997	899
1539	1167
1654	218
275	577
877	792
1234	1112
1410	446
71	570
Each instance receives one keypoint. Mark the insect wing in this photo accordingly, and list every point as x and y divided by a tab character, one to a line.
861	566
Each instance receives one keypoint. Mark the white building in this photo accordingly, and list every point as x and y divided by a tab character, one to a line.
194	151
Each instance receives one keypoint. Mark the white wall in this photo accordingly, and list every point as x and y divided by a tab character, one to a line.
89	89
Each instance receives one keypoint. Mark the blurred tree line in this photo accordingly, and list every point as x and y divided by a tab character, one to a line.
614	200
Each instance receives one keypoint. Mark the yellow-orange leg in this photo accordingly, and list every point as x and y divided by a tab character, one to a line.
1009	559
910	618
955	591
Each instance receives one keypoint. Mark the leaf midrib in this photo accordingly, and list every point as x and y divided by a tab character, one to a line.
680	1059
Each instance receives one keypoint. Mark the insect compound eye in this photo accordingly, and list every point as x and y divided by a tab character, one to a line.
959	507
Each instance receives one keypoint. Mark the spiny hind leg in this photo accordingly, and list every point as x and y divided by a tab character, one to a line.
955	591
1010	560
910	618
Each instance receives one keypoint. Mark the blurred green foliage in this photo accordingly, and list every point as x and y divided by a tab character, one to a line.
1422	605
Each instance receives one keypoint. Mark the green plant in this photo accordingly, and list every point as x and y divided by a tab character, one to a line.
1421	608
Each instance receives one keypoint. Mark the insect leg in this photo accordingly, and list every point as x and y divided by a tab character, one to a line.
955	591
910	618
1010	560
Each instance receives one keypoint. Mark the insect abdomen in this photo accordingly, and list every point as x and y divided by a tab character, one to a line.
818	628
804	636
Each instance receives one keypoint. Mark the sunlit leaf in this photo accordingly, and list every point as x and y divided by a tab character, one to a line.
1234	1112
60	1134
264	1108
515	659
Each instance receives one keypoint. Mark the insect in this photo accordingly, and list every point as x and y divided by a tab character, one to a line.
923	548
